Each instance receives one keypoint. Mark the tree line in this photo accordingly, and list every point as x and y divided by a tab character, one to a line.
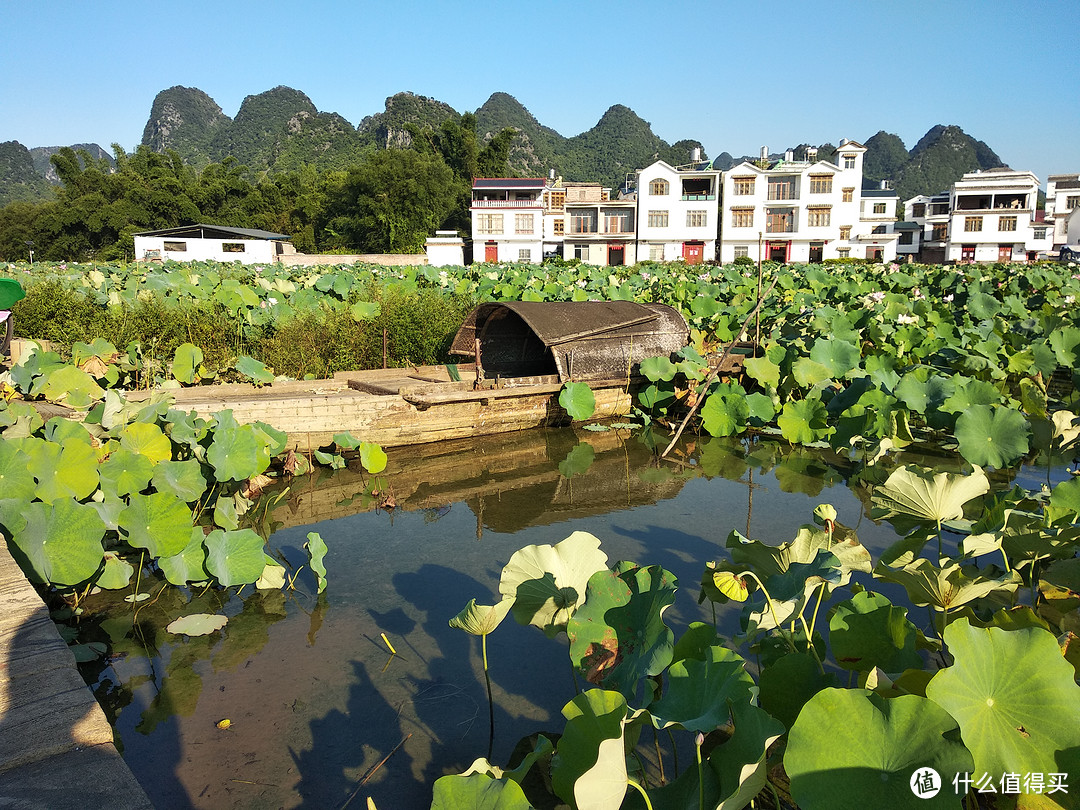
390	201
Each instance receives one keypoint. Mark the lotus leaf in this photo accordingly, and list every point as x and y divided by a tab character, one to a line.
804	421
316	549
197	624
947	587
372	457
254	370
159	522
925	495
69	385
480	620
16	480
1013	695
182	478
808	373
187	429
851	749
60	543
116	574
789	682
764	370
190	564
726	411
273	576
656	369
479	791
547	583
762	409
62	472
838	356
1064	499
923	391
60	431
618	637
657	396
589	766
147	439
1066	345
236	453
699	691
185	364
125	472
868	631
578	400
234	557
272	442
992	436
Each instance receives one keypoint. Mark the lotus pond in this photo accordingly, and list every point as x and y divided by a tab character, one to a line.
299	698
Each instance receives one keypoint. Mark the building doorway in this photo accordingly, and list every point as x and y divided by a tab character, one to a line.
967	253
693	252
874	253
491	252
778	252
817	252
615	256
1005	253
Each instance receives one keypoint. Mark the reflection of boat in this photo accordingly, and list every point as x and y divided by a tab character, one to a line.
523	354
507	481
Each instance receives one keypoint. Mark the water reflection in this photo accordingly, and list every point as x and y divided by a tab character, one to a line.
314	698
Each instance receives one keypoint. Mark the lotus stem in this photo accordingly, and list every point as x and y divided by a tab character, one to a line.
640	790
659	754
817	607
769	601
674	748
698	740
810	643
491	704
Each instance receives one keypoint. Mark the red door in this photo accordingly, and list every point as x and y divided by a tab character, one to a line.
967	253
491	252
693	252
1005	253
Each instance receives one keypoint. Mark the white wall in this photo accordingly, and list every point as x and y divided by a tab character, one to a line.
255	250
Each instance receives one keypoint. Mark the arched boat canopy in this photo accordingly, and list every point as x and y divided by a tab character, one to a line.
573	340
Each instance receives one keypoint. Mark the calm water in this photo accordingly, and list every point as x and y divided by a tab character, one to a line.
314	698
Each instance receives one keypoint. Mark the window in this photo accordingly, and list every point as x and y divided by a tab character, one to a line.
845	231
659	187
176	247
556	200
843	253
817	217
489	223
656	253
779	220
618	222
782	188
849	161
821	184
907	238
583	222
972	224
697	219
581	252
523	223
940	232
849	194
743	185
1039	233
879	208
742	250
658	219
1006	223
524	255
238	247
1072	202
878	229
918	210
742	218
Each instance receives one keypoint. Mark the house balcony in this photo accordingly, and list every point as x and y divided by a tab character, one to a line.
507	204
697	197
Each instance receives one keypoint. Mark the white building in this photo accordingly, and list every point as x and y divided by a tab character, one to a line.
876	237
677	212
508	219
805	210
445	249
931	215
1062	198
992	218
192	243
598	230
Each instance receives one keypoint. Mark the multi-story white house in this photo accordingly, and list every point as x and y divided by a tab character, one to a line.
677	212
1062	198
876	238
931	215
508	219
598	229
992	218
803	210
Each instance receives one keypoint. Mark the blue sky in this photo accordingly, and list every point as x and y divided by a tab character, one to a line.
734	75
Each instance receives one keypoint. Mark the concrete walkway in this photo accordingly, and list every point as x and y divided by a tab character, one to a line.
56	747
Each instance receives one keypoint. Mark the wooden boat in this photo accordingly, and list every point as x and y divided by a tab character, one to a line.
523	353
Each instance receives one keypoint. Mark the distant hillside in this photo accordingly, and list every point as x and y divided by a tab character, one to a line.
19	180
44	167
186	120
386	130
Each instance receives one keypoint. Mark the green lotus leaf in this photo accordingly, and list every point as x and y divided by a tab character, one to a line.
60	543
656	369
346	441
60	431
970	392
1013	695
804	421
992	436
983	306
726	411
547	583
272	441
190	564
789	682
182	478
70	385
116	574
923	391
18	419
808	373
254	370
578	400
147	439
618	637
589	767
927	495
372	457
480	620
1065	341
731	585
868	631
699	691
197	624
234	557
764	370
657	396
273	575
185	364
761	407
159	522
365	310
236	453
125	472
187	428
790	590
62	472
947	587
838	356
316	549
872	746
479	791
16	479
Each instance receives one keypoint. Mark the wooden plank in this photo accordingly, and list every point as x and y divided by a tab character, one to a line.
372	388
